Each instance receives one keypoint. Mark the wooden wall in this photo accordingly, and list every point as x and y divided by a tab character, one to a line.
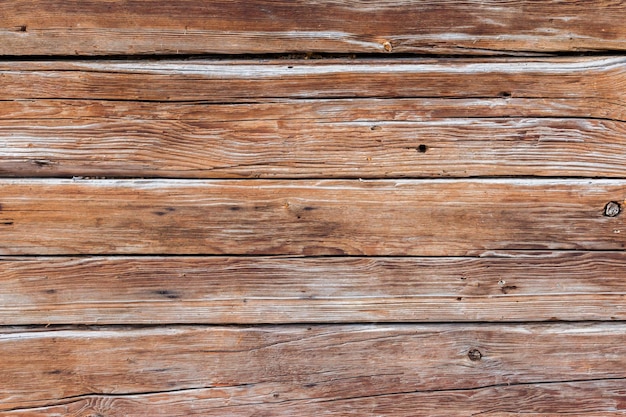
312	207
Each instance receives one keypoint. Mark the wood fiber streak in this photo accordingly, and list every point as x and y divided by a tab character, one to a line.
271	217
273	366
595	398
219	290
91	27
578	78
364	138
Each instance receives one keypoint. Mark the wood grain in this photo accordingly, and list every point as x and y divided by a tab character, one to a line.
215	81
595	398
365	138
303	366
308	217
261	26
254	290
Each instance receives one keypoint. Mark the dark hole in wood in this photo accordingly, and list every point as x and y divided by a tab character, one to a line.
612	209
504	94
422	148
474	355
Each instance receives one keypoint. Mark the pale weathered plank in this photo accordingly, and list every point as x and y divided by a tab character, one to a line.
596	398
581	78
320	138
308	217
140	290
92	27
259	365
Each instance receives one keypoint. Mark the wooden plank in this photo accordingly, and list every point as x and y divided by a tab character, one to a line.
581	78
596	398
260	26
254	290
363	138
281	366
309	217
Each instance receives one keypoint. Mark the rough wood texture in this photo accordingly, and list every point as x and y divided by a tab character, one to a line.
244	369
595	398
583	78
259	26
232	223
325	217
364	138
132	290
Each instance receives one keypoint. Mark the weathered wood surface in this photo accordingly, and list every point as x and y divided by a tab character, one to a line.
293	201
259	26
244	369
365	138
309	217
253	290
595	398
582	78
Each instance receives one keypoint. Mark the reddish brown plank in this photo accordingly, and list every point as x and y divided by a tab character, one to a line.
302	366
253	290
91	27
324	139
308	217
594	398
581	78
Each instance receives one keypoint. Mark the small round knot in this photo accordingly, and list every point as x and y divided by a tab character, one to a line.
612	209
474	355
387	46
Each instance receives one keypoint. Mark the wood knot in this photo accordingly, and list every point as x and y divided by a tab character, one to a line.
474	355
612	209
387	46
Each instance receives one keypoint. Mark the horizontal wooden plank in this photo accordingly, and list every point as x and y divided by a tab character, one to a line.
595	398
285	366
260	26
308	217
253	290
582	78
362	138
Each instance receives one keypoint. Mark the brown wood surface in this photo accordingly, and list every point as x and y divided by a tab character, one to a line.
274	368
92	27
320	207
253	290
575	78
366	138
308	217
598	398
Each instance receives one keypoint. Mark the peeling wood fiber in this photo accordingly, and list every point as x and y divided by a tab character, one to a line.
312	207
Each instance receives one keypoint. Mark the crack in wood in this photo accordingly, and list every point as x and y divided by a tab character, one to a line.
94	395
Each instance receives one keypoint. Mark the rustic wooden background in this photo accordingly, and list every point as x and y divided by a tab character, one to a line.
312	207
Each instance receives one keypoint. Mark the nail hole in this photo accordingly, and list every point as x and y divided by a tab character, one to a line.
612	209
504	94
474	355
290	66
422	148
23	28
